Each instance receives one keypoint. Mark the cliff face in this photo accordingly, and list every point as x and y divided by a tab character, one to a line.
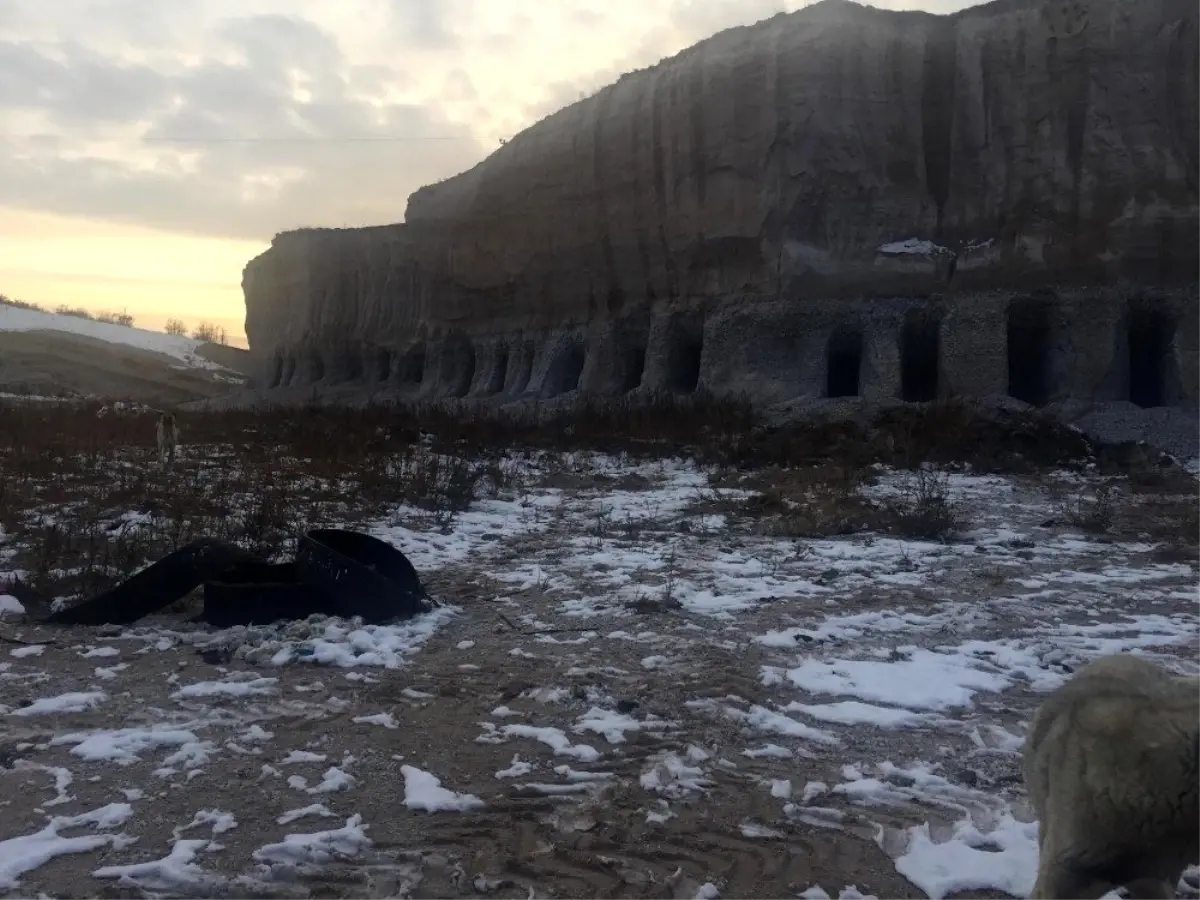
723	217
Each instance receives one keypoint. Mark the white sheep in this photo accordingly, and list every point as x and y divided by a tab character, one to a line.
1111	770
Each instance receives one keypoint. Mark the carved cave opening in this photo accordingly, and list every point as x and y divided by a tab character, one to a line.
289	370
499	371
920	346
843	362
316	368
349	366
1150	333
383	365
1030	346
633	366
524	369
563	374
412	366
276	371
458	368
684	353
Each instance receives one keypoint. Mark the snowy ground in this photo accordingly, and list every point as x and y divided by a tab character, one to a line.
627	694
14	318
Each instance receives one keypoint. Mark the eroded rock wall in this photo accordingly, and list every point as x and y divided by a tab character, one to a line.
919	199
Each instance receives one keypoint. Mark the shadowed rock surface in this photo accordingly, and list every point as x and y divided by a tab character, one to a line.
837	202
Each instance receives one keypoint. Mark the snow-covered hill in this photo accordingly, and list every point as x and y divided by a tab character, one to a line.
14	318
50	355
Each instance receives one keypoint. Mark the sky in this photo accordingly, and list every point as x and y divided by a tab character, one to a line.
150	148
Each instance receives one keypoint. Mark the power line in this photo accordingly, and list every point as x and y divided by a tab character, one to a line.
297	140
238	140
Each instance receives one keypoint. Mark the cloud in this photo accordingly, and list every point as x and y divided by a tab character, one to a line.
87	89
426	23
92	278
275	130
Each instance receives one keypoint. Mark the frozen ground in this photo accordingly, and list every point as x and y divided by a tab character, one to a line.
627	694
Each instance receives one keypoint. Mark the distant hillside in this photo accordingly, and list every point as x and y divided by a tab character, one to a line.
54	355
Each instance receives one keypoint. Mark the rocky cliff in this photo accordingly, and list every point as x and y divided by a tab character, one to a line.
841	200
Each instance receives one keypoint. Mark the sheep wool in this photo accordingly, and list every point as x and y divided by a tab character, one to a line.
1111	769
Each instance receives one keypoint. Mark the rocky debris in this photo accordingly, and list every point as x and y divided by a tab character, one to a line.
1174	430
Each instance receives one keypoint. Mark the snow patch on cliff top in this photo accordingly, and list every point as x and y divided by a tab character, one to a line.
912	247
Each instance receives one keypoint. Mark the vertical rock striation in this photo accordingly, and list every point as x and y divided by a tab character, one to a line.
998	201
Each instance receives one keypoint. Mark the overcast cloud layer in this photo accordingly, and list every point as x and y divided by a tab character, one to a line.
242	118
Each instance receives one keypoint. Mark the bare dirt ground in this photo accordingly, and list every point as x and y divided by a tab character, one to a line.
656	679
593	841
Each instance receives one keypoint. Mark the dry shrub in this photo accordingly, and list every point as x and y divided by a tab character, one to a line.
5	300
828	500
922	509
84	503
1172	521
810	501
998	440
260	477
719	431
1093	509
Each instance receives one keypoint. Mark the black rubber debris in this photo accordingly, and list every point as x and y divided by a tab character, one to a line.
335	573
259	593
363	575
158	585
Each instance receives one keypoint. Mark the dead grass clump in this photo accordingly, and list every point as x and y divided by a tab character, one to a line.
5	300
1157	479
84	504
807	502
719	431
824	501
1093	509
999	441
1172	521
440	484
922	508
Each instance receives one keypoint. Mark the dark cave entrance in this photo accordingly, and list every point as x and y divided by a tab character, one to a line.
289	370
563	374
412	365
460	371
277	372
1030	345
524	368
499	371
843	362
1150	333
350	367
316	368
684	354
633	366
383	365
919	351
